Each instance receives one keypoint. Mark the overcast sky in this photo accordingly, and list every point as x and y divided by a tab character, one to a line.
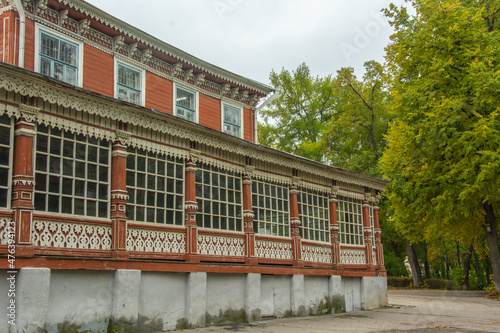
253	37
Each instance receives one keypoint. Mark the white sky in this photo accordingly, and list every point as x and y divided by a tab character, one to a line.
252	37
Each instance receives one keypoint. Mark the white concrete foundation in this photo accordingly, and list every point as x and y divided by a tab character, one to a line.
135	301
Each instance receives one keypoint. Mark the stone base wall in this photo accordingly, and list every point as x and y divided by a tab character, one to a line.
134	301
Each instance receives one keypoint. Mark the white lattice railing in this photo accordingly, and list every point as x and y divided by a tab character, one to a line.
353	256
319	254
5	223
71	235
144	240
221	245
273	249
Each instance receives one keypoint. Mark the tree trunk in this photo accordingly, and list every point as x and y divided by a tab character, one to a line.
458	254
479	271
427	269
446	266
488	271
415	267
467	259
490	227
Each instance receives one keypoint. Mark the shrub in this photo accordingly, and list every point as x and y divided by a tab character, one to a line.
439	284
399	282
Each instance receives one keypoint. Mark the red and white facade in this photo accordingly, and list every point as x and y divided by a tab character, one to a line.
121	152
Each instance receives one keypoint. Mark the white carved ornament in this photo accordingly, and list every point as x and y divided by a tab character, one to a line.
353	256
143	240
5	223
221	245
319	254
71	235
374	257
273	249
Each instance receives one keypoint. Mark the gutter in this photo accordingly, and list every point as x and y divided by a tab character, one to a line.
277	92
22	31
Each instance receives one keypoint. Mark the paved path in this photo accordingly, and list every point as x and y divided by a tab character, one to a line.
415	311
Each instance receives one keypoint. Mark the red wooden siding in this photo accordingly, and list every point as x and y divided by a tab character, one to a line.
98	71
29	51
248	132
210	112
159	93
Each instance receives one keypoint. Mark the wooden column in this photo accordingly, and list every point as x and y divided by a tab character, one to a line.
248	216
119	197
367	230
334	229
191	207
23	185
378	240
294	227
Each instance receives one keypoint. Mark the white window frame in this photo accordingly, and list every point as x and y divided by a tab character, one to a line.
11	159
350	220
241	117
196	102
263	223
311	222
143	79
38	29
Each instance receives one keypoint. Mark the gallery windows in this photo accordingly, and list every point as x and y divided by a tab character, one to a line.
350	219
5	158
271	209
314	215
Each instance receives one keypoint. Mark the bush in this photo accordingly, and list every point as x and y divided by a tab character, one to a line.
439	284
399	282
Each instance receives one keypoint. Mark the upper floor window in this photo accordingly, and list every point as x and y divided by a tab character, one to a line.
128	84
231	120
185	104
58	58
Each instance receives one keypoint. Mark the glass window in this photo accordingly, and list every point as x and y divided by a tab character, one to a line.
58	58
232	120
372	225
5	159
185	104
219	197
350	219
72	173
271	209
129	84
155	185
314	215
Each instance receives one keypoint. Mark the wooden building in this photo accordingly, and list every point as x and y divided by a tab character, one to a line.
129	168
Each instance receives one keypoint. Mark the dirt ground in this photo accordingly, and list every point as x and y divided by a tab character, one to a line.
414	311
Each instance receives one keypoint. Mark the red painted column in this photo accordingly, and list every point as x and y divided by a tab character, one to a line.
119	198
334	230
367	230
248	216
191	206
23	185
378	240
294	226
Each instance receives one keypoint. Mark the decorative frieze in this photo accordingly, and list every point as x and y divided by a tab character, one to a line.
71	235
320	254
221	245
273	249
158	241
6	227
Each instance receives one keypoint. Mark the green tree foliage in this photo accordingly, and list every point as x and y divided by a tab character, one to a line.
443	156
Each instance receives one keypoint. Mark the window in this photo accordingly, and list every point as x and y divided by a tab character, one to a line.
5	158
71	173
58	58
218	193
231	120
314	214
372	225
185	104
128	84
350	219
271	209
155	185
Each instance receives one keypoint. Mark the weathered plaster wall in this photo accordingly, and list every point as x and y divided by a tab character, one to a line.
134	301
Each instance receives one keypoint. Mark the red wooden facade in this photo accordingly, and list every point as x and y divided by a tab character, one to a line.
131	185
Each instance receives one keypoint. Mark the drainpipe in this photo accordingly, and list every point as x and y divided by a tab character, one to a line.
22	29
267	101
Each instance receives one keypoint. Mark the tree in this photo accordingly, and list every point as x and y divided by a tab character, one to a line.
297	118
443	156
